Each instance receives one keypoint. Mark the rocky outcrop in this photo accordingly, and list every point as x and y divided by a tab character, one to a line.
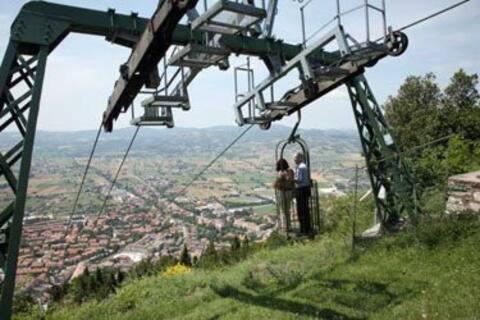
464	193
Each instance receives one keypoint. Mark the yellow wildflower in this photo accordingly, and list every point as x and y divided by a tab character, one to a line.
176	270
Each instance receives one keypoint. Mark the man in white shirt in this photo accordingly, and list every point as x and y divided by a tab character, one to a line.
302	194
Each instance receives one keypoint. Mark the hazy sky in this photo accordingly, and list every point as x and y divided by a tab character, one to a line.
82	70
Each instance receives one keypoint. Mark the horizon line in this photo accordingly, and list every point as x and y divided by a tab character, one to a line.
193	128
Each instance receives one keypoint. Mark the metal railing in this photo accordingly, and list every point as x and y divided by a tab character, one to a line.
366	7
287	215
206	5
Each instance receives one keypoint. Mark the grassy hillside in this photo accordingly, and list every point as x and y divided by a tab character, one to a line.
428	273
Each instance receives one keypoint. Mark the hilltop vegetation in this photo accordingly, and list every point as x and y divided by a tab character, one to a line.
429	272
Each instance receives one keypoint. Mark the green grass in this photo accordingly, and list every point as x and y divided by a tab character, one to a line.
430	273
265	210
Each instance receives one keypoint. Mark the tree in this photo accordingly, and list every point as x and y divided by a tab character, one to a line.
195	261
460	109
120	276
412	112
462	92
112	281
185	258
421	113
461	155
236	245
209	257
245	243
99	279
141	269
58	292
164	262
81	287
245	248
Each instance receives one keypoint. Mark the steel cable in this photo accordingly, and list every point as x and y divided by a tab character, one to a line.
189	184
114	181
431	16
418	147
92	152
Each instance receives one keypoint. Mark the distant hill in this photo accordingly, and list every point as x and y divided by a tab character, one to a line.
177	140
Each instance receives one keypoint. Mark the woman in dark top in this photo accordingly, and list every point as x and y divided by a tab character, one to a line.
284	186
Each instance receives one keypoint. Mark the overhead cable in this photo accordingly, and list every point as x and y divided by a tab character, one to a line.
92	152
433	15
114	181
421	146
189	184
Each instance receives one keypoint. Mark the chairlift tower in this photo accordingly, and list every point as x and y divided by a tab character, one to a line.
181	51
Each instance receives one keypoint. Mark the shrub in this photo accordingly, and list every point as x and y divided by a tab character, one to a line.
433	202
448	229
276	240
176	270
23	303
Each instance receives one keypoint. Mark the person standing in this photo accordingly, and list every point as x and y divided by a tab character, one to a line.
284	185
302	193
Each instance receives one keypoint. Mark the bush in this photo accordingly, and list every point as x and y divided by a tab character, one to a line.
176	270
435	231
276	240
23	303
433	202
448	229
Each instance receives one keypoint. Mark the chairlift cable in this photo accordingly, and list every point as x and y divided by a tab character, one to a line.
87	168
412	24
431	16
420	146
114	181
189	184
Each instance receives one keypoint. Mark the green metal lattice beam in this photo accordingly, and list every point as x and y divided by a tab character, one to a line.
37	17
385	167
22	108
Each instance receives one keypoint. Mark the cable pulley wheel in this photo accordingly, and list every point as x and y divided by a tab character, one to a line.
396	43
265	125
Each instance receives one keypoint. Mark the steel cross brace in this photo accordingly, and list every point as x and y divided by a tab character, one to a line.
21	81
384	164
